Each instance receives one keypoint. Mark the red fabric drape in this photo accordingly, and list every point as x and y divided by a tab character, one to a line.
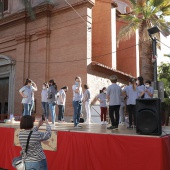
87	151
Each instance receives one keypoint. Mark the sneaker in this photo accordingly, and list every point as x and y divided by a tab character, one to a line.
111	127
53	126
77	126
105	122
102	122
130	127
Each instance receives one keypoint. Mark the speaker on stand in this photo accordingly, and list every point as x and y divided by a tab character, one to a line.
148	116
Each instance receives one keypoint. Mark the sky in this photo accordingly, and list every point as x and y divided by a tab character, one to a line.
164	49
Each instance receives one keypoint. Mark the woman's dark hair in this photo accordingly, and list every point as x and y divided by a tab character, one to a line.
27	81
140	81
133	82
53	83
104	88
86	86
26	122
46	85
65	87
148	81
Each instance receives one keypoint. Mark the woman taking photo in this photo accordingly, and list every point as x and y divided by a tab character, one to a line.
52	90
35	157
27	92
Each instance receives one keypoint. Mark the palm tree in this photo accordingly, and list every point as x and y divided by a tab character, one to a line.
145	14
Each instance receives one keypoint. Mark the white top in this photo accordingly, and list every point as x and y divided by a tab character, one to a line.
61	94
29	92
44	95
132	95
77	96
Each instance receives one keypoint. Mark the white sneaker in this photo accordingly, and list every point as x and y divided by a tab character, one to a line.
53	126
106	123
102	122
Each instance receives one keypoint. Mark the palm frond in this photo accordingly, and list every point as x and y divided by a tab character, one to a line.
127	31
133	2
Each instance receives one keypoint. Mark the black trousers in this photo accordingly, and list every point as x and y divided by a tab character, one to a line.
114	110
61	110
132	112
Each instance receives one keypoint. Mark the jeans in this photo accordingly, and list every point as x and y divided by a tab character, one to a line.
28	108
88	112
45	109
52	111
132	111
61	109
112	110
36	165
103	113
77	111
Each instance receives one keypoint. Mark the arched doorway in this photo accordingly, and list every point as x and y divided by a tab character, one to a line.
7	82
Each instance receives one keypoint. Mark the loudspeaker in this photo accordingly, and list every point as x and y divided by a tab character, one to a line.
148	116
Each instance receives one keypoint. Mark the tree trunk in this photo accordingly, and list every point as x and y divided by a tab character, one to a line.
145	54
146	66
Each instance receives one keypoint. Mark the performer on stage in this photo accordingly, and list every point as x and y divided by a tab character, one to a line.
77	101
113	95
52	90
27	92
140	84
44	99
86	100
148	90
61	103
103	106
132	92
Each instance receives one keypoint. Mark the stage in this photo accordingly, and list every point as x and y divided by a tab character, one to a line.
93	147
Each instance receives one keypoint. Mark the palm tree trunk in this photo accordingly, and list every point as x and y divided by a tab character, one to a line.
145	54
146	60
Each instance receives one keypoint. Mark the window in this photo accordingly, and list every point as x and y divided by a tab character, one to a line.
5	5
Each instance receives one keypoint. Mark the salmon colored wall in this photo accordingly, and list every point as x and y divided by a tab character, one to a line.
126	54
101	34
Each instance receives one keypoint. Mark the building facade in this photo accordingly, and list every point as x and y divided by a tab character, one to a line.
67	39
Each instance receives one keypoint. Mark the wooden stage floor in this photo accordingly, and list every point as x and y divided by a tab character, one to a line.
92	128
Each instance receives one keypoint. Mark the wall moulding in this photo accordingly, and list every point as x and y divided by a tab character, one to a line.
22	38
23	17
43	33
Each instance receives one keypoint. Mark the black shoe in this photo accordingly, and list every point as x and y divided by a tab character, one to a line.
111	127
130	127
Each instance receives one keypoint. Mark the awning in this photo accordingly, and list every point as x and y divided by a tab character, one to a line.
122	77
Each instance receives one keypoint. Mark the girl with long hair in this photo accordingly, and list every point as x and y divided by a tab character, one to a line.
44	99
132	92
52	90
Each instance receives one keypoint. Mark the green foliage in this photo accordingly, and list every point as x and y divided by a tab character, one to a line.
144	15
164	76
